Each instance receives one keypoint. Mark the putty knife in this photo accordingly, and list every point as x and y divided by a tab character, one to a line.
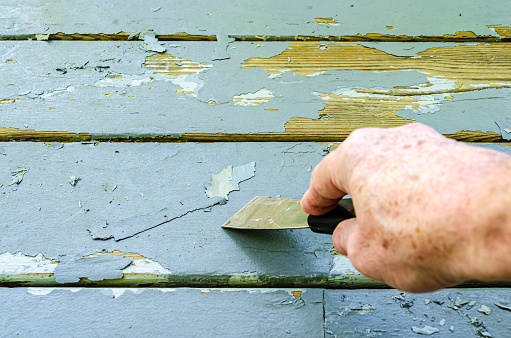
269	213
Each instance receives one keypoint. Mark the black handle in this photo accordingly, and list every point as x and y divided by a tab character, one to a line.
326	224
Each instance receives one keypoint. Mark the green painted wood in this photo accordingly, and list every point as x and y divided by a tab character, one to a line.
130	191
116	90
446	313
244	18
74	312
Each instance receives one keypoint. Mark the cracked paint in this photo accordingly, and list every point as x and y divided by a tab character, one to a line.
253	99
229	179
180	72
491	66
21	264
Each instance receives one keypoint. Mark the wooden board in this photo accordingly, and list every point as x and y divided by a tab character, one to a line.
387	19
457	313
271	91
81	312
161	312
54	233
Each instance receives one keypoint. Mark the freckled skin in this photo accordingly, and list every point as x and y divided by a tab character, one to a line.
431	212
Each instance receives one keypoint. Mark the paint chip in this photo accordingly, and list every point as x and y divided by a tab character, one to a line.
484	309
151	43
93	268
326	21
220	52
73	180
18	176
253	99
228	180
503	307
42	37
426	330
99	230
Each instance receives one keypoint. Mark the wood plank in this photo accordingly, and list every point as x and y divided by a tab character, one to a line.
161	312
458	313
394	20
288	92
148	197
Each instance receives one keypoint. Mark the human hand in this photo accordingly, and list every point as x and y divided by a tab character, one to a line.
431	212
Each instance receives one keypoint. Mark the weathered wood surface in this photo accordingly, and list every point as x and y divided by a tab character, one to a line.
388	19
265	91
294	312
30	312
456	313
106	226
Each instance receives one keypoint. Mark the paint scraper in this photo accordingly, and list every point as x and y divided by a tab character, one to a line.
273	213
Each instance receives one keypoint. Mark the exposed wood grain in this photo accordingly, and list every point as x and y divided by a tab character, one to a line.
468	66
324	133
450	75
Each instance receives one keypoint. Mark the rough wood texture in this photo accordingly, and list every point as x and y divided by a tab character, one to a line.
272	91
291	312
398	20
457	313
62	203
161	312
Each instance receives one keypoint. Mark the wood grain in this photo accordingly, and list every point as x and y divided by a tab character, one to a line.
450	73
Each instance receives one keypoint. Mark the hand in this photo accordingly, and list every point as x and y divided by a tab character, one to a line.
431	212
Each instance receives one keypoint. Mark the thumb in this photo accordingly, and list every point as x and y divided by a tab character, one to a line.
342	234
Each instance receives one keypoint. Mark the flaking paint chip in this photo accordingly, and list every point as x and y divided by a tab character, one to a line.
228	180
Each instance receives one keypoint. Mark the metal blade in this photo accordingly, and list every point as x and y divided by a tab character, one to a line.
269	213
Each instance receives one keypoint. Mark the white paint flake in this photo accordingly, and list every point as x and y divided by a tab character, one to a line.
123	80
68	89
426	330
253	99
151	43
228	180
18	263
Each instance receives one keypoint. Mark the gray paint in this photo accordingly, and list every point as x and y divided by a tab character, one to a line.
250	312
504	125
43	213
480	108
71	270
246	18
69	86
134	225
373	313
154	177
161	313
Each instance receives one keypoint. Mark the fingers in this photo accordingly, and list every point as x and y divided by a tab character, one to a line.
342	235
326	188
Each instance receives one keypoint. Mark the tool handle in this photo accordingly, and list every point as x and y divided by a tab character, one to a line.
326	224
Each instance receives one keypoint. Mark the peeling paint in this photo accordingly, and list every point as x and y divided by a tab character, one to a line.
229	179
71	270
18	263
253	99
68	89
180	72
222	44
151	43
